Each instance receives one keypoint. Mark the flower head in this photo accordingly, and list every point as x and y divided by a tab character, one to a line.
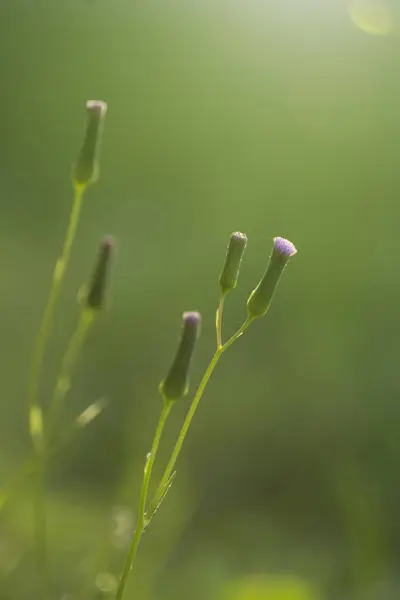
86	169
97	288
260	299
230	272
176	384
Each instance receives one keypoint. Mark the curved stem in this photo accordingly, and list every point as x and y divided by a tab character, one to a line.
47	319
181	438
141	519
76	342
39	507
34	409
189	416
238	333
218	320
30	465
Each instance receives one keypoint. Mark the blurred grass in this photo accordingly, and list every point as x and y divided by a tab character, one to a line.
271	118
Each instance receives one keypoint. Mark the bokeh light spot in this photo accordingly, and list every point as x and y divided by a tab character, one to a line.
269	588
106	582
372	16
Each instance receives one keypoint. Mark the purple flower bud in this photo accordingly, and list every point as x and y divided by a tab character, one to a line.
176	384
284	247
260	299
86	169
97	288
230	272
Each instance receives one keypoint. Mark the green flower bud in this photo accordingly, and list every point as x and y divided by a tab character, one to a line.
260	299
97	288
86	169
176	384
230	272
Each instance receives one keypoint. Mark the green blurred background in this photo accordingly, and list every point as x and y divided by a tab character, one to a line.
270	117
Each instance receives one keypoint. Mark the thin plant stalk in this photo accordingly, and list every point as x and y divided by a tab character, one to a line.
145	517
189	417
141	518
30	465
61	388
41	522
47	319
71	355
257	306
33	385
218	321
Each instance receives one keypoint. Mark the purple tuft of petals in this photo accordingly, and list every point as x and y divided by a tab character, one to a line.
239	237
284	247
191	318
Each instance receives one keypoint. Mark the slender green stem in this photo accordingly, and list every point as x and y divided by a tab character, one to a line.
238	333
33	385
31	465
41	522
144	518
189	416
186	424
218	320
63	382
60	391
141	519
47	319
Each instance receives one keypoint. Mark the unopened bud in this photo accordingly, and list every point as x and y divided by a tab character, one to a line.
260	299
97	288
176	384
86	169
230	272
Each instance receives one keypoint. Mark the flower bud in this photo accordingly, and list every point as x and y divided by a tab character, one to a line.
260	299
176	384
230	272
86	169
97	288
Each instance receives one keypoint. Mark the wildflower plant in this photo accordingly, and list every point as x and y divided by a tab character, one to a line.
176	383
44	419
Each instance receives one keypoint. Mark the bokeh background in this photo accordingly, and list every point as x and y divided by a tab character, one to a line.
268	117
